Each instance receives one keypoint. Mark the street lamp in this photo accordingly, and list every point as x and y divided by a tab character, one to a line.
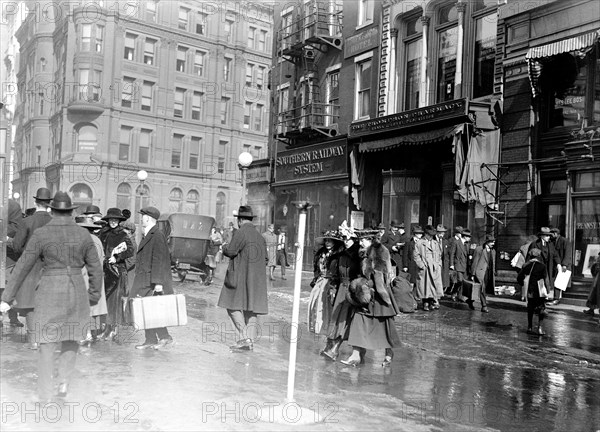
142	175
244	159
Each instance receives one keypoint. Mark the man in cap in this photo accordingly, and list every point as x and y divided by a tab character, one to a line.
244	292
459	259
62	302
562	248
395	240
24	299
548	254
483	270
152	273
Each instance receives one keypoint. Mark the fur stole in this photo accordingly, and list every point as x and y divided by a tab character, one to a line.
376	267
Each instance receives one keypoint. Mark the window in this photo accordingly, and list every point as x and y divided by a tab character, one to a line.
251	37
286	30
485	53
127	92
175	198
247	114
192	202
194	160
363	89
123	196
99	37
124	143
258	117
184	16
249	74
87	138
149	50
262	39
176	151
89	87
86	37
199	63
197	105
147	96
365	12
224	111
227	69
260	77
222	156
129	52
446	64
257	152
201	21
181	55
145	145
151	10
413	74
43	64
228	29
333	98
178	104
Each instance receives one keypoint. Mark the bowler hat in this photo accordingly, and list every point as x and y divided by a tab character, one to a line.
92	209
332	235
555	230
544	231
489	238
245	212
417	229
381	226
441	228
395	224
113	213
466	232
61	202
153	212
83	222
430	230
43	194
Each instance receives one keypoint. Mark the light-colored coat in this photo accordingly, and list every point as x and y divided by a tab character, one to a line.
271	240
428	258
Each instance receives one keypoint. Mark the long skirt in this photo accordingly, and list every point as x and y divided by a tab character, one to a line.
341	314
100	308
372	333
319	307
115	301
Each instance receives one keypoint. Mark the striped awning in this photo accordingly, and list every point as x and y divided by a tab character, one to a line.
581	45
416	138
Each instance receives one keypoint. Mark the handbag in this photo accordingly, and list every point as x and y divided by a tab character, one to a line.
542	288
525	290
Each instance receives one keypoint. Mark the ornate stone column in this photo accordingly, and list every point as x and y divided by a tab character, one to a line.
393	80
461	7
423	90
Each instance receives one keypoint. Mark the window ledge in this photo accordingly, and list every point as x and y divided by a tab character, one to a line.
362	26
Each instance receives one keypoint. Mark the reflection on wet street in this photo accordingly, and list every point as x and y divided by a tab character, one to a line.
456	370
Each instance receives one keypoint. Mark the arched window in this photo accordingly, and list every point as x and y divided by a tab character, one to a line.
175	198
220	210
81	195
192	202
142	199
123	196
87	138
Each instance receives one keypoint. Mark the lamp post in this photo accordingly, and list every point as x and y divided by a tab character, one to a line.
4	158
142	175
244	159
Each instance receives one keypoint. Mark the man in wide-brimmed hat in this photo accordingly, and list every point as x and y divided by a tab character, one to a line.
93	214
483	270
459	261
244	292
428	258
25	230
395	240
62	302
548	254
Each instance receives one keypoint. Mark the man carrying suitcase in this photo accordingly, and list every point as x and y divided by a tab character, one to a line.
152	273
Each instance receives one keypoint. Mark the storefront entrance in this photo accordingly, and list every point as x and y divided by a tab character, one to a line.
586	221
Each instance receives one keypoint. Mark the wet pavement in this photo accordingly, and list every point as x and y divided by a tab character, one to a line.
456	370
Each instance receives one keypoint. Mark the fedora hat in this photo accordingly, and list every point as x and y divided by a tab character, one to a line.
245	212
61	202
396	224
153	212
83	222
466	232
441	228
43	194
332	235
544	231
113	213
417	229
92	209
489	238
430	230
458	229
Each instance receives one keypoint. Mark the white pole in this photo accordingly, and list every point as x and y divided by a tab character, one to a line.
296	305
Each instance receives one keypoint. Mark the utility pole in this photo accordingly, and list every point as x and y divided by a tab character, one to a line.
4	161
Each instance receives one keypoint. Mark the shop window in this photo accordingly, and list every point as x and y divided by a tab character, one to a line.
554	187
587	181
587	235
123	196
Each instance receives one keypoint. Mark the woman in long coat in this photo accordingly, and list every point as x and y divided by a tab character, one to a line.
62	303
536	270
348	268
113	236
324	283
428	258
372	325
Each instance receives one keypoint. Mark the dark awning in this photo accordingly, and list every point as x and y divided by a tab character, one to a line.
415	138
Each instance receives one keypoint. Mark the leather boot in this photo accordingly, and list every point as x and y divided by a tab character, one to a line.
332	349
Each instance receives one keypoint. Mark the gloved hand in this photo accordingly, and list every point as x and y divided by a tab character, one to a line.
4	307
158	289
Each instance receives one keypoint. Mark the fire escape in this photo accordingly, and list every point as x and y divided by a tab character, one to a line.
303	112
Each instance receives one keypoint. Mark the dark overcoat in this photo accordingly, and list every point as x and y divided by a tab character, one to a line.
245	286
459	256
562	248
549	257
152	266
24	297
62	303
445	262
483	267
389	240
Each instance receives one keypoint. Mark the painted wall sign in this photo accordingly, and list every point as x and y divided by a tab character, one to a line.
361	42
441	111
311	162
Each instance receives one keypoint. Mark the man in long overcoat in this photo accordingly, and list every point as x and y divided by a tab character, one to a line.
15	216
152	273
441	238
409	257
244	292
395	241
428	258
483	269
271	240
62	303
459	257
562	248
24	297
549	256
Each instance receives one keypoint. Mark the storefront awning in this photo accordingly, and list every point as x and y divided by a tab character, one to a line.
581	45
415	138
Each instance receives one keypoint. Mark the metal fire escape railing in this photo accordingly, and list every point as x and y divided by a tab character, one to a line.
301	41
